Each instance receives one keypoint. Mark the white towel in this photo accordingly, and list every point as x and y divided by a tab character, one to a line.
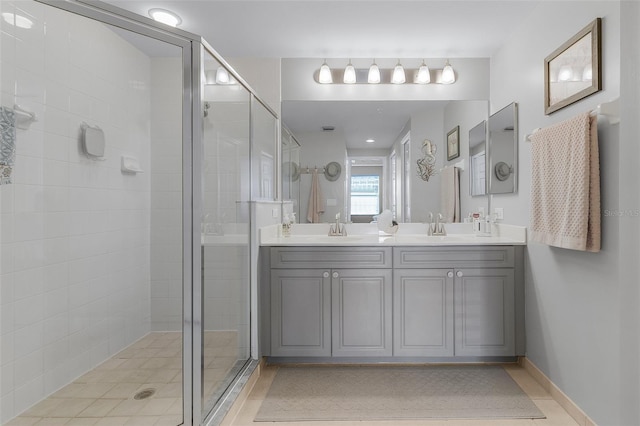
316	200
565	185
450	194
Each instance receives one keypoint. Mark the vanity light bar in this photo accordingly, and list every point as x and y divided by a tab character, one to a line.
327	75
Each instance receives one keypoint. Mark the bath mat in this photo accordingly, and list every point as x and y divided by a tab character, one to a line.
304	393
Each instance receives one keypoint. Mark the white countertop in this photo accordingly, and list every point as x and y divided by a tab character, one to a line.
409	234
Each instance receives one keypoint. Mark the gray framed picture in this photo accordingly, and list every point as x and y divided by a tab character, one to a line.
453	143
573	71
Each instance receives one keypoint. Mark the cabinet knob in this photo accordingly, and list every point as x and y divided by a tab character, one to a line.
459	274
450	274
325	274
335	275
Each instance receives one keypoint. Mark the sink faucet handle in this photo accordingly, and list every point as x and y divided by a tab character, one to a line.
430	224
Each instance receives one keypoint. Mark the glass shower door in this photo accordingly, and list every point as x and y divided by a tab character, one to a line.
225	230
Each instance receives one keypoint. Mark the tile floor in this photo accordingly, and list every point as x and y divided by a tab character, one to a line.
556	415
104	395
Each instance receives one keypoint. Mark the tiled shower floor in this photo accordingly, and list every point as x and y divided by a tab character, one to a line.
105	395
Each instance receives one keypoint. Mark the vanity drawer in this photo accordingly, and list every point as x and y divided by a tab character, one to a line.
331	257
454	257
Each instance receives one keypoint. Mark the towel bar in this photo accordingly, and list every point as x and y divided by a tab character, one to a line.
609	110
458	165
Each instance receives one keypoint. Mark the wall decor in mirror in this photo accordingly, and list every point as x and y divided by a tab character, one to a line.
478	159
573	71
502	167
453	143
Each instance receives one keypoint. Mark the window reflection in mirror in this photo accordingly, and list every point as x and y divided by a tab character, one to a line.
366	188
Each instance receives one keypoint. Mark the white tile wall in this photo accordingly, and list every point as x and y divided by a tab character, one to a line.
74	234
166	202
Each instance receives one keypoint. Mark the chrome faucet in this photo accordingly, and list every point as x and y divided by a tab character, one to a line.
338	229
439	230
430	224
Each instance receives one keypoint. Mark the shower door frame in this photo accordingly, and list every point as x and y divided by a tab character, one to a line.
190	45
193	51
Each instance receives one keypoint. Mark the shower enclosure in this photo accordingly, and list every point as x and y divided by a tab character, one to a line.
126	274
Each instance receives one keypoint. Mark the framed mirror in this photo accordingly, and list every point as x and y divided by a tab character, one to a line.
502	168
478	159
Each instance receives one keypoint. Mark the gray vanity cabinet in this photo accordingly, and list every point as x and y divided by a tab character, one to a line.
300	312
361	312
394	303
331	301
423	312
485	312
477	316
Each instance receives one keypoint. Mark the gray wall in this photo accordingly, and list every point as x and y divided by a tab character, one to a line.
630	201
581	308
318	149
425	195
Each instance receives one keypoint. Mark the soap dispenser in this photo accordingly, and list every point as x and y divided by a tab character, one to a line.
487	225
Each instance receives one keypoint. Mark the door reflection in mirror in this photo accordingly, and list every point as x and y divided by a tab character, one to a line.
478	159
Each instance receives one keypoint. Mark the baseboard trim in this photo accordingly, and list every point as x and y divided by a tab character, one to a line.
560	397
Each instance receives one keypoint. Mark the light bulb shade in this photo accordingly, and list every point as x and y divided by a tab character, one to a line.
324	76
222	76
210	77
398	76
448	75
165	16
374	74
349	74
424	74
17	20
565	73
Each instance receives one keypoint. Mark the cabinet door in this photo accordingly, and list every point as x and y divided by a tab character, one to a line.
300	312
484	304
361	312
423	312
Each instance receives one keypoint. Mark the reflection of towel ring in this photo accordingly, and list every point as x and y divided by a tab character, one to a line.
332	171
292	170
502	170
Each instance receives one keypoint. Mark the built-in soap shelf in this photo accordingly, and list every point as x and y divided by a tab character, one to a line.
130	165
24	117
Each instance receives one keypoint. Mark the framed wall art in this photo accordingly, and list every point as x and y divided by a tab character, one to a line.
573	71
453	143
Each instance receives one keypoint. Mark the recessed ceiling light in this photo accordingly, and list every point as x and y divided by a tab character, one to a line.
370	140
165	16
17	20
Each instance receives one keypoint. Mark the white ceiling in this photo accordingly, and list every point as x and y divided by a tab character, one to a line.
357	120
342	29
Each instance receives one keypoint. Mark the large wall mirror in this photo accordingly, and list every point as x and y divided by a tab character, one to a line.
337	132
502	167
